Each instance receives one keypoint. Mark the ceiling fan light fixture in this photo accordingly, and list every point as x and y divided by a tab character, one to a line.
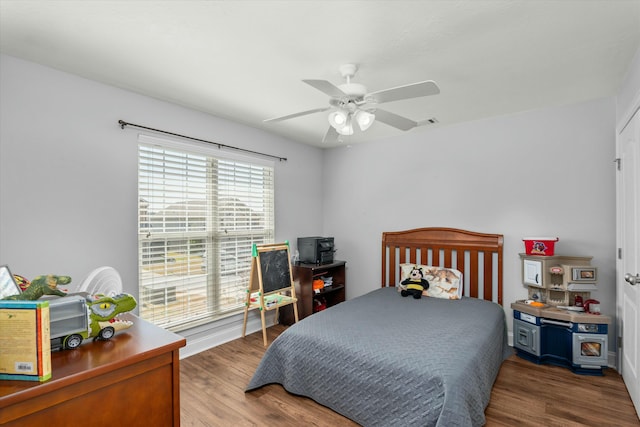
351	103
345	130
338	119
364	119
347	127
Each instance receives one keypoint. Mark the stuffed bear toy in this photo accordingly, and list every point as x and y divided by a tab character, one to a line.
415	283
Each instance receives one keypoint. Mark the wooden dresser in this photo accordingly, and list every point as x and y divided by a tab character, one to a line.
132	379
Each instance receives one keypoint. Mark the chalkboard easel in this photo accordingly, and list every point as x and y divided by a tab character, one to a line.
271	284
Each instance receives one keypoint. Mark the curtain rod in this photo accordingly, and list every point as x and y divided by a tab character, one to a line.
123	124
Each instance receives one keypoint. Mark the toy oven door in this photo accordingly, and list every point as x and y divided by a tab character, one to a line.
590	350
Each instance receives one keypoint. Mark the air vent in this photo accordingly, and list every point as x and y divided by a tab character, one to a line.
430	121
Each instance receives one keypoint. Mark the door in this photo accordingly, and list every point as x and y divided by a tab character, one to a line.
628	264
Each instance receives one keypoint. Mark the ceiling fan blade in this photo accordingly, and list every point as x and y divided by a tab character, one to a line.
302	113
331	136
395	120
414	90
326	87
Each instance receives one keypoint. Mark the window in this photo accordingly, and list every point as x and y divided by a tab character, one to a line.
199	215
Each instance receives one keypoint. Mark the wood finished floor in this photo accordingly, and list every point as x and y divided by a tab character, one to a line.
212	387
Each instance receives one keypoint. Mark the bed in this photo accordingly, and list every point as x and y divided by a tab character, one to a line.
382	359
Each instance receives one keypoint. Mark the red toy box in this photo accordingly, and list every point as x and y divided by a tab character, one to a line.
540	245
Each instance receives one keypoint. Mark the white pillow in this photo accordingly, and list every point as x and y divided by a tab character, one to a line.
444	283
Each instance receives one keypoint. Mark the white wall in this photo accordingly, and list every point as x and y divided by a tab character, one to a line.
68	173
542	173
68	180
628	98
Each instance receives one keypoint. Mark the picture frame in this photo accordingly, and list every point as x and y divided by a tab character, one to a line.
8	285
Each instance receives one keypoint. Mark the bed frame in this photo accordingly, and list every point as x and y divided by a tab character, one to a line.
477	255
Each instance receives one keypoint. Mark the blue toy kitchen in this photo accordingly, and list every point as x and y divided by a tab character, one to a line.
559	323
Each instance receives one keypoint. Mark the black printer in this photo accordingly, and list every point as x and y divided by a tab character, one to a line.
315	250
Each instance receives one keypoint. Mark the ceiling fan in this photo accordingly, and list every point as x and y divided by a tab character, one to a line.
350	103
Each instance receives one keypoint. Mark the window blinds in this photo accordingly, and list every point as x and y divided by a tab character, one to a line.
199	216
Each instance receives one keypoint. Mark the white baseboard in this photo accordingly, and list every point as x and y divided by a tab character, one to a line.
612	358
221	331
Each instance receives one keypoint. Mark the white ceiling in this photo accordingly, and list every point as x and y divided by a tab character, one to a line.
244	60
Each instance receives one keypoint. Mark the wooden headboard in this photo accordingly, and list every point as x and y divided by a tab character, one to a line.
477	255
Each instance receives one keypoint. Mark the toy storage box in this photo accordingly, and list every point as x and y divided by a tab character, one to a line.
540	245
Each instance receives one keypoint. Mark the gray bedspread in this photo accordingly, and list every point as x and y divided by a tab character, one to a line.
384	360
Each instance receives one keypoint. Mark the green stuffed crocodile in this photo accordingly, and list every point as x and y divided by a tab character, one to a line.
42	285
